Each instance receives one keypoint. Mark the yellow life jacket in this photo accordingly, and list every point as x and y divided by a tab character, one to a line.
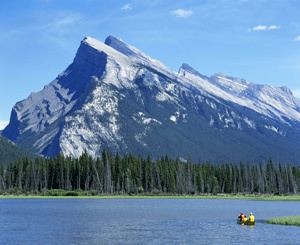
251	218
244	218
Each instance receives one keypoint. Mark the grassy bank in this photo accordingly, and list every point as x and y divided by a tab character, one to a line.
94	194
289	220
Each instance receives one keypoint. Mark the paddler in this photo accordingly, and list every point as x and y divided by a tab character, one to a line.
242	217
251	217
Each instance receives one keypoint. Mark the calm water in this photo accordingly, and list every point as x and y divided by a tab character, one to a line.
142	221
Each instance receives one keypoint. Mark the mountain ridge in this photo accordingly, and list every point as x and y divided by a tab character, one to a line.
115	96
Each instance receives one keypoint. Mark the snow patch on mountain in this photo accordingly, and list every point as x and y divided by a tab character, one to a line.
173	118
46	139
275	130
250	123
84	131
211	104
141	118
139	137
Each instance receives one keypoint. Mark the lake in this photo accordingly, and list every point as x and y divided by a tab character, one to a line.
142	221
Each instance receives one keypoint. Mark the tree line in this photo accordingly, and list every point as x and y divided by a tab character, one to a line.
130	174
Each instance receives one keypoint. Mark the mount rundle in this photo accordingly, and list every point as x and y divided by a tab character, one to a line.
115	97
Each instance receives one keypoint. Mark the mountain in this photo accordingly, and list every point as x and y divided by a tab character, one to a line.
9	152
114	96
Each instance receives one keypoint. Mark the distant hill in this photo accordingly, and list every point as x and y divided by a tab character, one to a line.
9	152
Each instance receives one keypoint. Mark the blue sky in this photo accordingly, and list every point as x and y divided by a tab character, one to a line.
256	40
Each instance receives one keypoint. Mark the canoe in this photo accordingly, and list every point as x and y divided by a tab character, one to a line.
248	222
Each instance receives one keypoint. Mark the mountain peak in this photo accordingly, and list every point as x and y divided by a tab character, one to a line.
131	51
222	76
112	38
96	44
286	90
119	45
187	68
101	47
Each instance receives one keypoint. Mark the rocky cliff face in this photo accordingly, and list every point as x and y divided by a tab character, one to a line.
114	96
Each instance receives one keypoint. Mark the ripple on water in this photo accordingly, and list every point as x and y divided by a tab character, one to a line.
142	221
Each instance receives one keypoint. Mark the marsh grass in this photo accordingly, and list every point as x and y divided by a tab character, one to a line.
289	220
57	193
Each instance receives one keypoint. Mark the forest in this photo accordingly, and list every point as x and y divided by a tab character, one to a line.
113	174
10	152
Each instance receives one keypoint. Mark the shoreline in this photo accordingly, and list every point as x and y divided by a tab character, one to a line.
145	196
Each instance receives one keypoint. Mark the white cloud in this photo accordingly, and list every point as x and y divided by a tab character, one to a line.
259	28
127	7
265	28
297	38
182	13
274	27
3	124
57	27
64	20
